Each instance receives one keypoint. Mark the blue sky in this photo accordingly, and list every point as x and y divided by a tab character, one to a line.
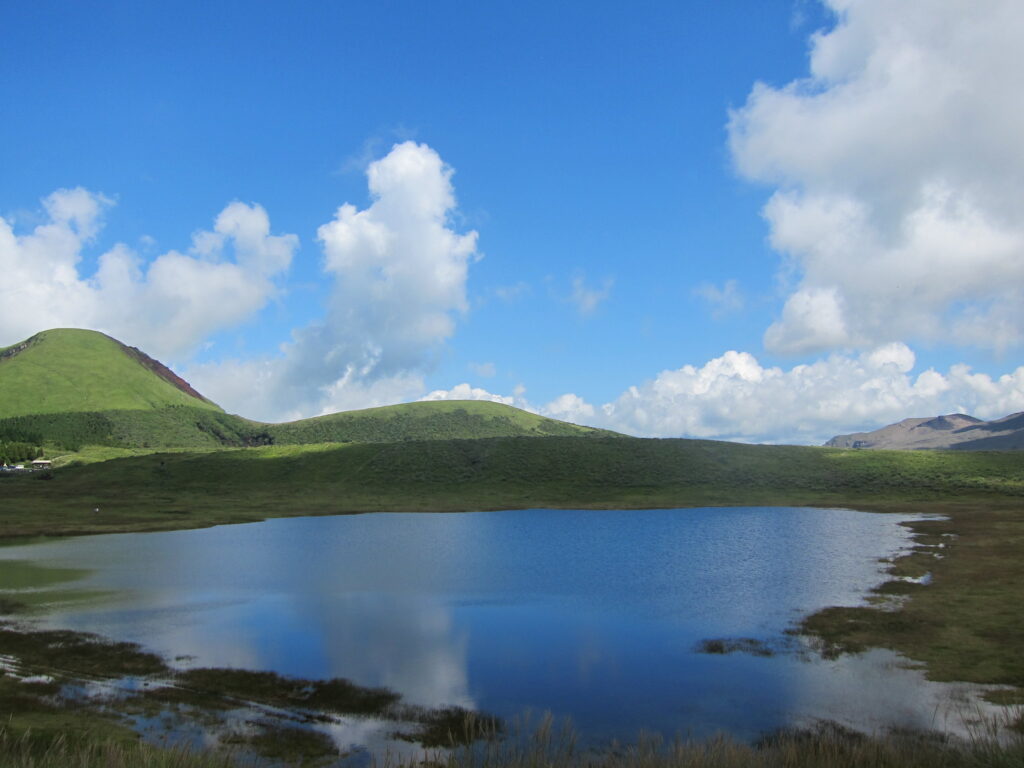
651	187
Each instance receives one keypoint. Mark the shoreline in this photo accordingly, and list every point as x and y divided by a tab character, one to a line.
968	527
901	614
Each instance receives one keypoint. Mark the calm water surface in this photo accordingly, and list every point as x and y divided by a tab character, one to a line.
594	615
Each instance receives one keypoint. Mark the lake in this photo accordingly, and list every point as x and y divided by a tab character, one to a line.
595	615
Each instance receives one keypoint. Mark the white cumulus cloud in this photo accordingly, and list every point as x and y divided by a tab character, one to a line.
734	397
167	305
398	271
900	177
467	392
571	408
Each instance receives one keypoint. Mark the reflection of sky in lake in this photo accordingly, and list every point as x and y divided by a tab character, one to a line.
588	614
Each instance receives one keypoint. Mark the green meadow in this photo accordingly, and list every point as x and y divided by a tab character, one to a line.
195	488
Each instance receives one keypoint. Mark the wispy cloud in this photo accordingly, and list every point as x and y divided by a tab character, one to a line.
486	370
514	292
586	298
724	300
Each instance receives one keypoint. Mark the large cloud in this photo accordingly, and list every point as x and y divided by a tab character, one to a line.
900	176
398	272
734	397
168	305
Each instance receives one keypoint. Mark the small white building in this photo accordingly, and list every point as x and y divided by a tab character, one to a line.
42	464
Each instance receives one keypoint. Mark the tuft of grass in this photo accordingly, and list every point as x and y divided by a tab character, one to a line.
726	645
288	745
448	727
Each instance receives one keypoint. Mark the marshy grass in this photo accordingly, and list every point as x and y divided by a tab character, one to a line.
288	746
548	745
81	654
46	719
479	742
31	750
965	624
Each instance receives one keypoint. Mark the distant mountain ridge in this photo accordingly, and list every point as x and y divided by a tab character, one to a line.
955	431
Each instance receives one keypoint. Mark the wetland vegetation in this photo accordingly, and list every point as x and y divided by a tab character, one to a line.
72	694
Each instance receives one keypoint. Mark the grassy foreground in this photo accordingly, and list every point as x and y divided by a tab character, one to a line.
30	750
827	747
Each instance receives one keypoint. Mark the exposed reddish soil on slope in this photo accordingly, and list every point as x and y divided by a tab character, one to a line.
162	371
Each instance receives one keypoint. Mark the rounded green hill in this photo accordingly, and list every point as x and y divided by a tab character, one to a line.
68	370
430	420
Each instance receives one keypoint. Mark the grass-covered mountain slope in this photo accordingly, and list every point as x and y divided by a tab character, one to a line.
171	427
71	388
72	371
436	420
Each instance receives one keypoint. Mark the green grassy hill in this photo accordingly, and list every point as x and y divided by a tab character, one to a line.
69	370
436	420
69	388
